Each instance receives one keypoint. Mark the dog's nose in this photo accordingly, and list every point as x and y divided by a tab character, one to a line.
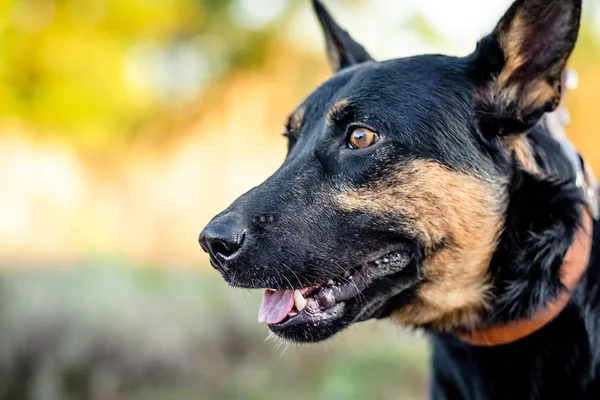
222	239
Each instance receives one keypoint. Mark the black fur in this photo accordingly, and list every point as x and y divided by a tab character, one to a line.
290	231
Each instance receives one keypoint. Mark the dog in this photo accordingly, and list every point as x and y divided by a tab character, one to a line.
437	192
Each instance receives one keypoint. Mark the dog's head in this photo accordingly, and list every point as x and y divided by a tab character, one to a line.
419	188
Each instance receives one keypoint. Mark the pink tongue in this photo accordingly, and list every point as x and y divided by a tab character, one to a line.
275	306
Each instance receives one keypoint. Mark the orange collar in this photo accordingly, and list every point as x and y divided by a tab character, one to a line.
572	269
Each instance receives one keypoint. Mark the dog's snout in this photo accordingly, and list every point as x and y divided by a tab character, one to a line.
222	239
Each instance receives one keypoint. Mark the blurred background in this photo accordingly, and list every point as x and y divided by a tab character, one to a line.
125	125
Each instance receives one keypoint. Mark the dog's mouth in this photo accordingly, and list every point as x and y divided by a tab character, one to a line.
325	303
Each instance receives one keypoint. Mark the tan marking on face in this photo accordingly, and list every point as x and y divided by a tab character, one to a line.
337	108
441	206
295	120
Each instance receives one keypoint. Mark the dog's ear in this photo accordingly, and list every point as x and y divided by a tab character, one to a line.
520	64
342	50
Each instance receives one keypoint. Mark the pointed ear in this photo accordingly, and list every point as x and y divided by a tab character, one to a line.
342	50
520	64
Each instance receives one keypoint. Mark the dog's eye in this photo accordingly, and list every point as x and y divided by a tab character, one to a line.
362	137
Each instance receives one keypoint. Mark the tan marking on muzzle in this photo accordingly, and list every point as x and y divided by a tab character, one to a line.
441	206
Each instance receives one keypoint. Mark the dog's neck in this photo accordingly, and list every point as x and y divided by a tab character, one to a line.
572	269
576	259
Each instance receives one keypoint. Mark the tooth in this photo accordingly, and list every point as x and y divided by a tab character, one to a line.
292	314
299	300
331	282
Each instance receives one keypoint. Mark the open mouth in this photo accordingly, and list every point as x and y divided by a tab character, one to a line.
327	301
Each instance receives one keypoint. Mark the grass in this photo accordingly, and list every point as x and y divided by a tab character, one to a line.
129	333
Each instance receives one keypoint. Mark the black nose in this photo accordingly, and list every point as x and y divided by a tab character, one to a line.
222	239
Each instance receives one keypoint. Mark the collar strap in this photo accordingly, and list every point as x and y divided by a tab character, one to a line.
577	257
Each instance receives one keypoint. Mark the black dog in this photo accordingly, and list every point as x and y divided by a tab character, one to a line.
431	190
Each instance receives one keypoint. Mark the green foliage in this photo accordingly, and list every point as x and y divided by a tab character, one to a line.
587	51
92	69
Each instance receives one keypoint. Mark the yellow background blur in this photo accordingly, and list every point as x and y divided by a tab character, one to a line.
125	125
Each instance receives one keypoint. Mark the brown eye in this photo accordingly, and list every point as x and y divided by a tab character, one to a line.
361	138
